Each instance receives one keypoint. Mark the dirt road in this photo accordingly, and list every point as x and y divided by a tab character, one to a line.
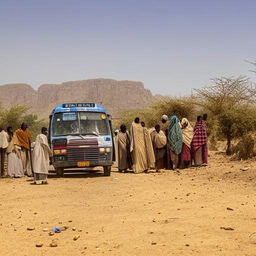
199	211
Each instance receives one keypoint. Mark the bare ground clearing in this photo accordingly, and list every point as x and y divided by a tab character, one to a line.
189	212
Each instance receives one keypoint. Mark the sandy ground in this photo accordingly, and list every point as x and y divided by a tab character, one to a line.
171	213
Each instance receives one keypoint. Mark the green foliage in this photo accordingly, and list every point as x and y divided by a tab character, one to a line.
237	121
229	103
18	114
244	148
152	115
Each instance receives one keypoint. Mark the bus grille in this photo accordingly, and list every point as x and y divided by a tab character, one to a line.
83	154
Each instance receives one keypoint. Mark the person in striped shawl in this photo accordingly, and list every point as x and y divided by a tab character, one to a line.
199	143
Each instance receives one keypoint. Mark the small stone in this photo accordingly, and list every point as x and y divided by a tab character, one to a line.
227	228
39	245
53	244
230	209
64	228
51	233
74	228
45	229
153	243
70	221
76	237
30	229
187	245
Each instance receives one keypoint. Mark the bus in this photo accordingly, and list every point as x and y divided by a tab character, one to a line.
80	135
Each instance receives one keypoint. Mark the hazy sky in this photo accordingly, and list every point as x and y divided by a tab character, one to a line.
171	46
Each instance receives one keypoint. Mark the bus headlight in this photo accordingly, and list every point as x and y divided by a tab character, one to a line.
59	151
102	150
108	150
63	151
56	152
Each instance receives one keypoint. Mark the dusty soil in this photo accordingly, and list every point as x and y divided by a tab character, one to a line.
199	211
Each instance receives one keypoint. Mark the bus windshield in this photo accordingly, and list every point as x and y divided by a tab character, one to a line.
80	123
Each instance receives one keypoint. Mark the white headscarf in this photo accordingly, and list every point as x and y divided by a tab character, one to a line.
187	132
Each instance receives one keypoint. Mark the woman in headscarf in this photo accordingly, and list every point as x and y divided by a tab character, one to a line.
187	136
199	141
175	141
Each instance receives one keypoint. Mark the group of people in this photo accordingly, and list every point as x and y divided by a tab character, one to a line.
172	145
18	159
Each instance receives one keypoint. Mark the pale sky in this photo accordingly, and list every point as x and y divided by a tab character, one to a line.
171	46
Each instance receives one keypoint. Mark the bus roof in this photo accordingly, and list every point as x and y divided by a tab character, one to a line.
76	107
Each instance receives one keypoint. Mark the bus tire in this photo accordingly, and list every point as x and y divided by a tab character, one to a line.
107	170
60	172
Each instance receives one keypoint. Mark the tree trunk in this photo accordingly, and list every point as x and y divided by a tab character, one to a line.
228	151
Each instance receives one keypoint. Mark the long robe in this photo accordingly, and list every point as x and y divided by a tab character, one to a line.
149	149
123	148
138	148
187	136
199	144
14	168
23	139
115	164
175	141
159	141
41	154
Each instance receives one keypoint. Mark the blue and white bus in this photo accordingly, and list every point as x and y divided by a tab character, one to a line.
80	136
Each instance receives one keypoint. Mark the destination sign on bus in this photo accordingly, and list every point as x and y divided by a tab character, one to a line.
79	105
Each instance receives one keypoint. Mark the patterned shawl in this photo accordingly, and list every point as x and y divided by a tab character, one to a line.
200	136
175	135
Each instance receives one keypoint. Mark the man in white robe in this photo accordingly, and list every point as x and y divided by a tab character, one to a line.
41	155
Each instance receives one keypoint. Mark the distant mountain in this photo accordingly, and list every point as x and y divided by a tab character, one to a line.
115	96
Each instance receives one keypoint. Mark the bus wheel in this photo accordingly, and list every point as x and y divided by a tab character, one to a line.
60	172
107	170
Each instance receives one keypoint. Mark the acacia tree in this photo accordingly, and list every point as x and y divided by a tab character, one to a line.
225	93
237	122
228	100
18	114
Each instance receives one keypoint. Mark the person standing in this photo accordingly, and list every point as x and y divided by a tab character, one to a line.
15	168
204	146
3	146
41	157
175	141
24	141
149	148
187	136
199	140
159	145
138	147
165	129
123	149
115	163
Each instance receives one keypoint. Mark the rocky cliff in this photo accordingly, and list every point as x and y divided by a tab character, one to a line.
115	96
